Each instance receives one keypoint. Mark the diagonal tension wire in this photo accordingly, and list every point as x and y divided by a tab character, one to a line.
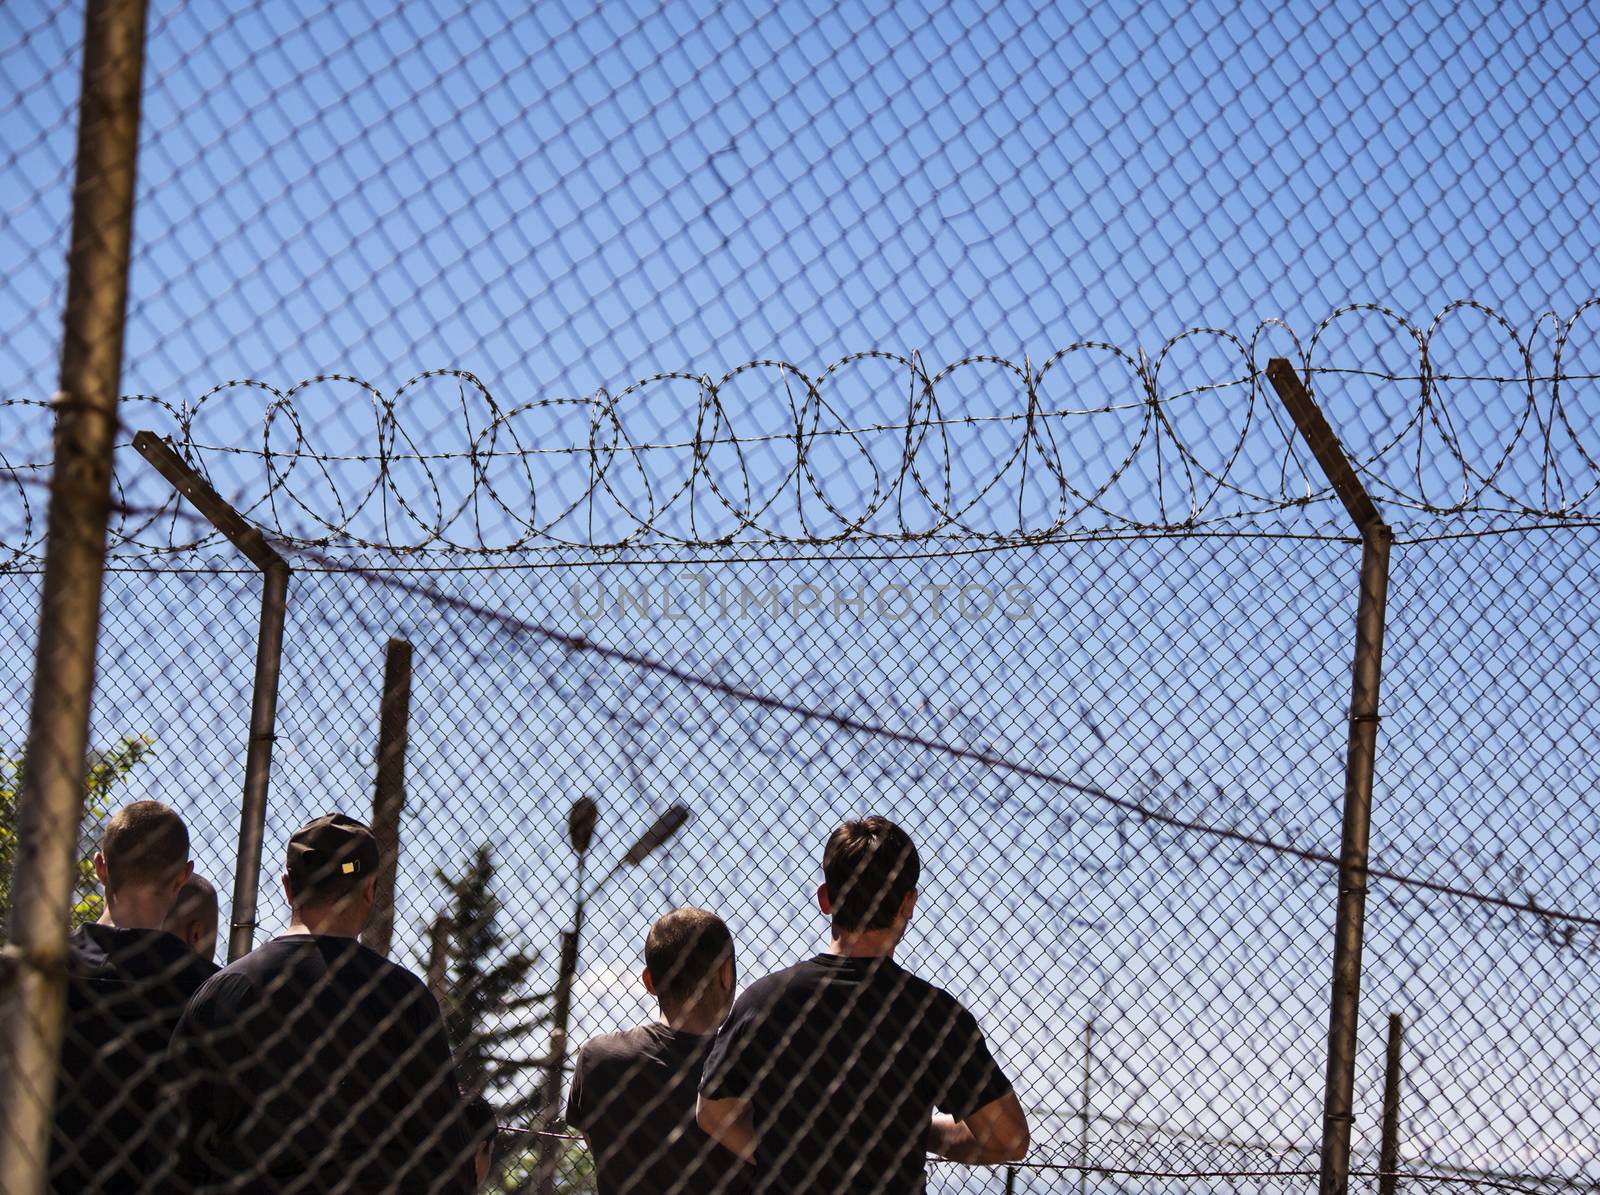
1145	813
579	643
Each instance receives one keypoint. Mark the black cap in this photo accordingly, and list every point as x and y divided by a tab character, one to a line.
329	847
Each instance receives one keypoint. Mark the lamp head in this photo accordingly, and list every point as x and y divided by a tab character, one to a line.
580	823
663	828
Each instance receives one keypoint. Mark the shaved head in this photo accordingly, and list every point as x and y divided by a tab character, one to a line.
194	916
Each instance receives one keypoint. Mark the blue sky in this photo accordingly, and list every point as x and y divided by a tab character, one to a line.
563	197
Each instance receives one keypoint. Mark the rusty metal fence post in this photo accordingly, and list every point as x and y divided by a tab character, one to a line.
1389	1151
389	788
1360	761
1083	1107
51	803
264	693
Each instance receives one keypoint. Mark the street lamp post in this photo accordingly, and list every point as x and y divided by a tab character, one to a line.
580	831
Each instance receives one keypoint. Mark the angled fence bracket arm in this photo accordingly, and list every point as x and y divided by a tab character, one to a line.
269	659
1360	763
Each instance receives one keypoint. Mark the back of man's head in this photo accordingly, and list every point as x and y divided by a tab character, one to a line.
869	867
683	952
330	861
145	846
194	916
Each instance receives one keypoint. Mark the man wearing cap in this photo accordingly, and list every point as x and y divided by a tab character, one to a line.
314	1064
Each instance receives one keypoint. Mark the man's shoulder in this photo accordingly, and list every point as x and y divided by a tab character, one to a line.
398	987
230	981
803	974
792	990
114	942
620	1046
407	989
929	995
916	983
274	958
821	971
391	971
270	967
336	950
104	953
246	970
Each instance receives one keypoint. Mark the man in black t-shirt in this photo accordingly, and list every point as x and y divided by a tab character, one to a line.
313	1064
127	983
839	1074
633	1093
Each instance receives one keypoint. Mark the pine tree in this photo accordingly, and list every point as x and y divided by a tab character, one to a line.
491	1018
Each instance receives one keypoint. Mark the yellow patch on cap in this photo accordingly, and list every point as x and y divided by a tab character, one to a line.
348	869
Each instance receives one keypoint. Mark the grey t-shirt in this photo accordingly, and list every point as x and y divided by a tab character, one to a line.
633	1096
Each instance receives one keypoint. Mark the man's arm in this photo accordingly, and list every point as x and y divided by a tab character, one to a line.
995	1133
427	1066
203	1057
186	1092
728	1079
729	1123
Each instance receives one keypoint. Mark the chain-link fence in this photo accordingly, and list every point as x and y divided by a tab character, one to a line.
1079	619
1119	752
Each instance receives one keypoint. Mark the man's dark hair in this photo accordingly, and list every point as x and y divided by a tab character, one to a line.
869	865
683	951
145	844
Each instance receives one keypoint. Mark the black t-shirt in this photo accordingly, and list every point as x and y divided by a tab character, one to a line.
633	1096
125	991
844	1061
316	1065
